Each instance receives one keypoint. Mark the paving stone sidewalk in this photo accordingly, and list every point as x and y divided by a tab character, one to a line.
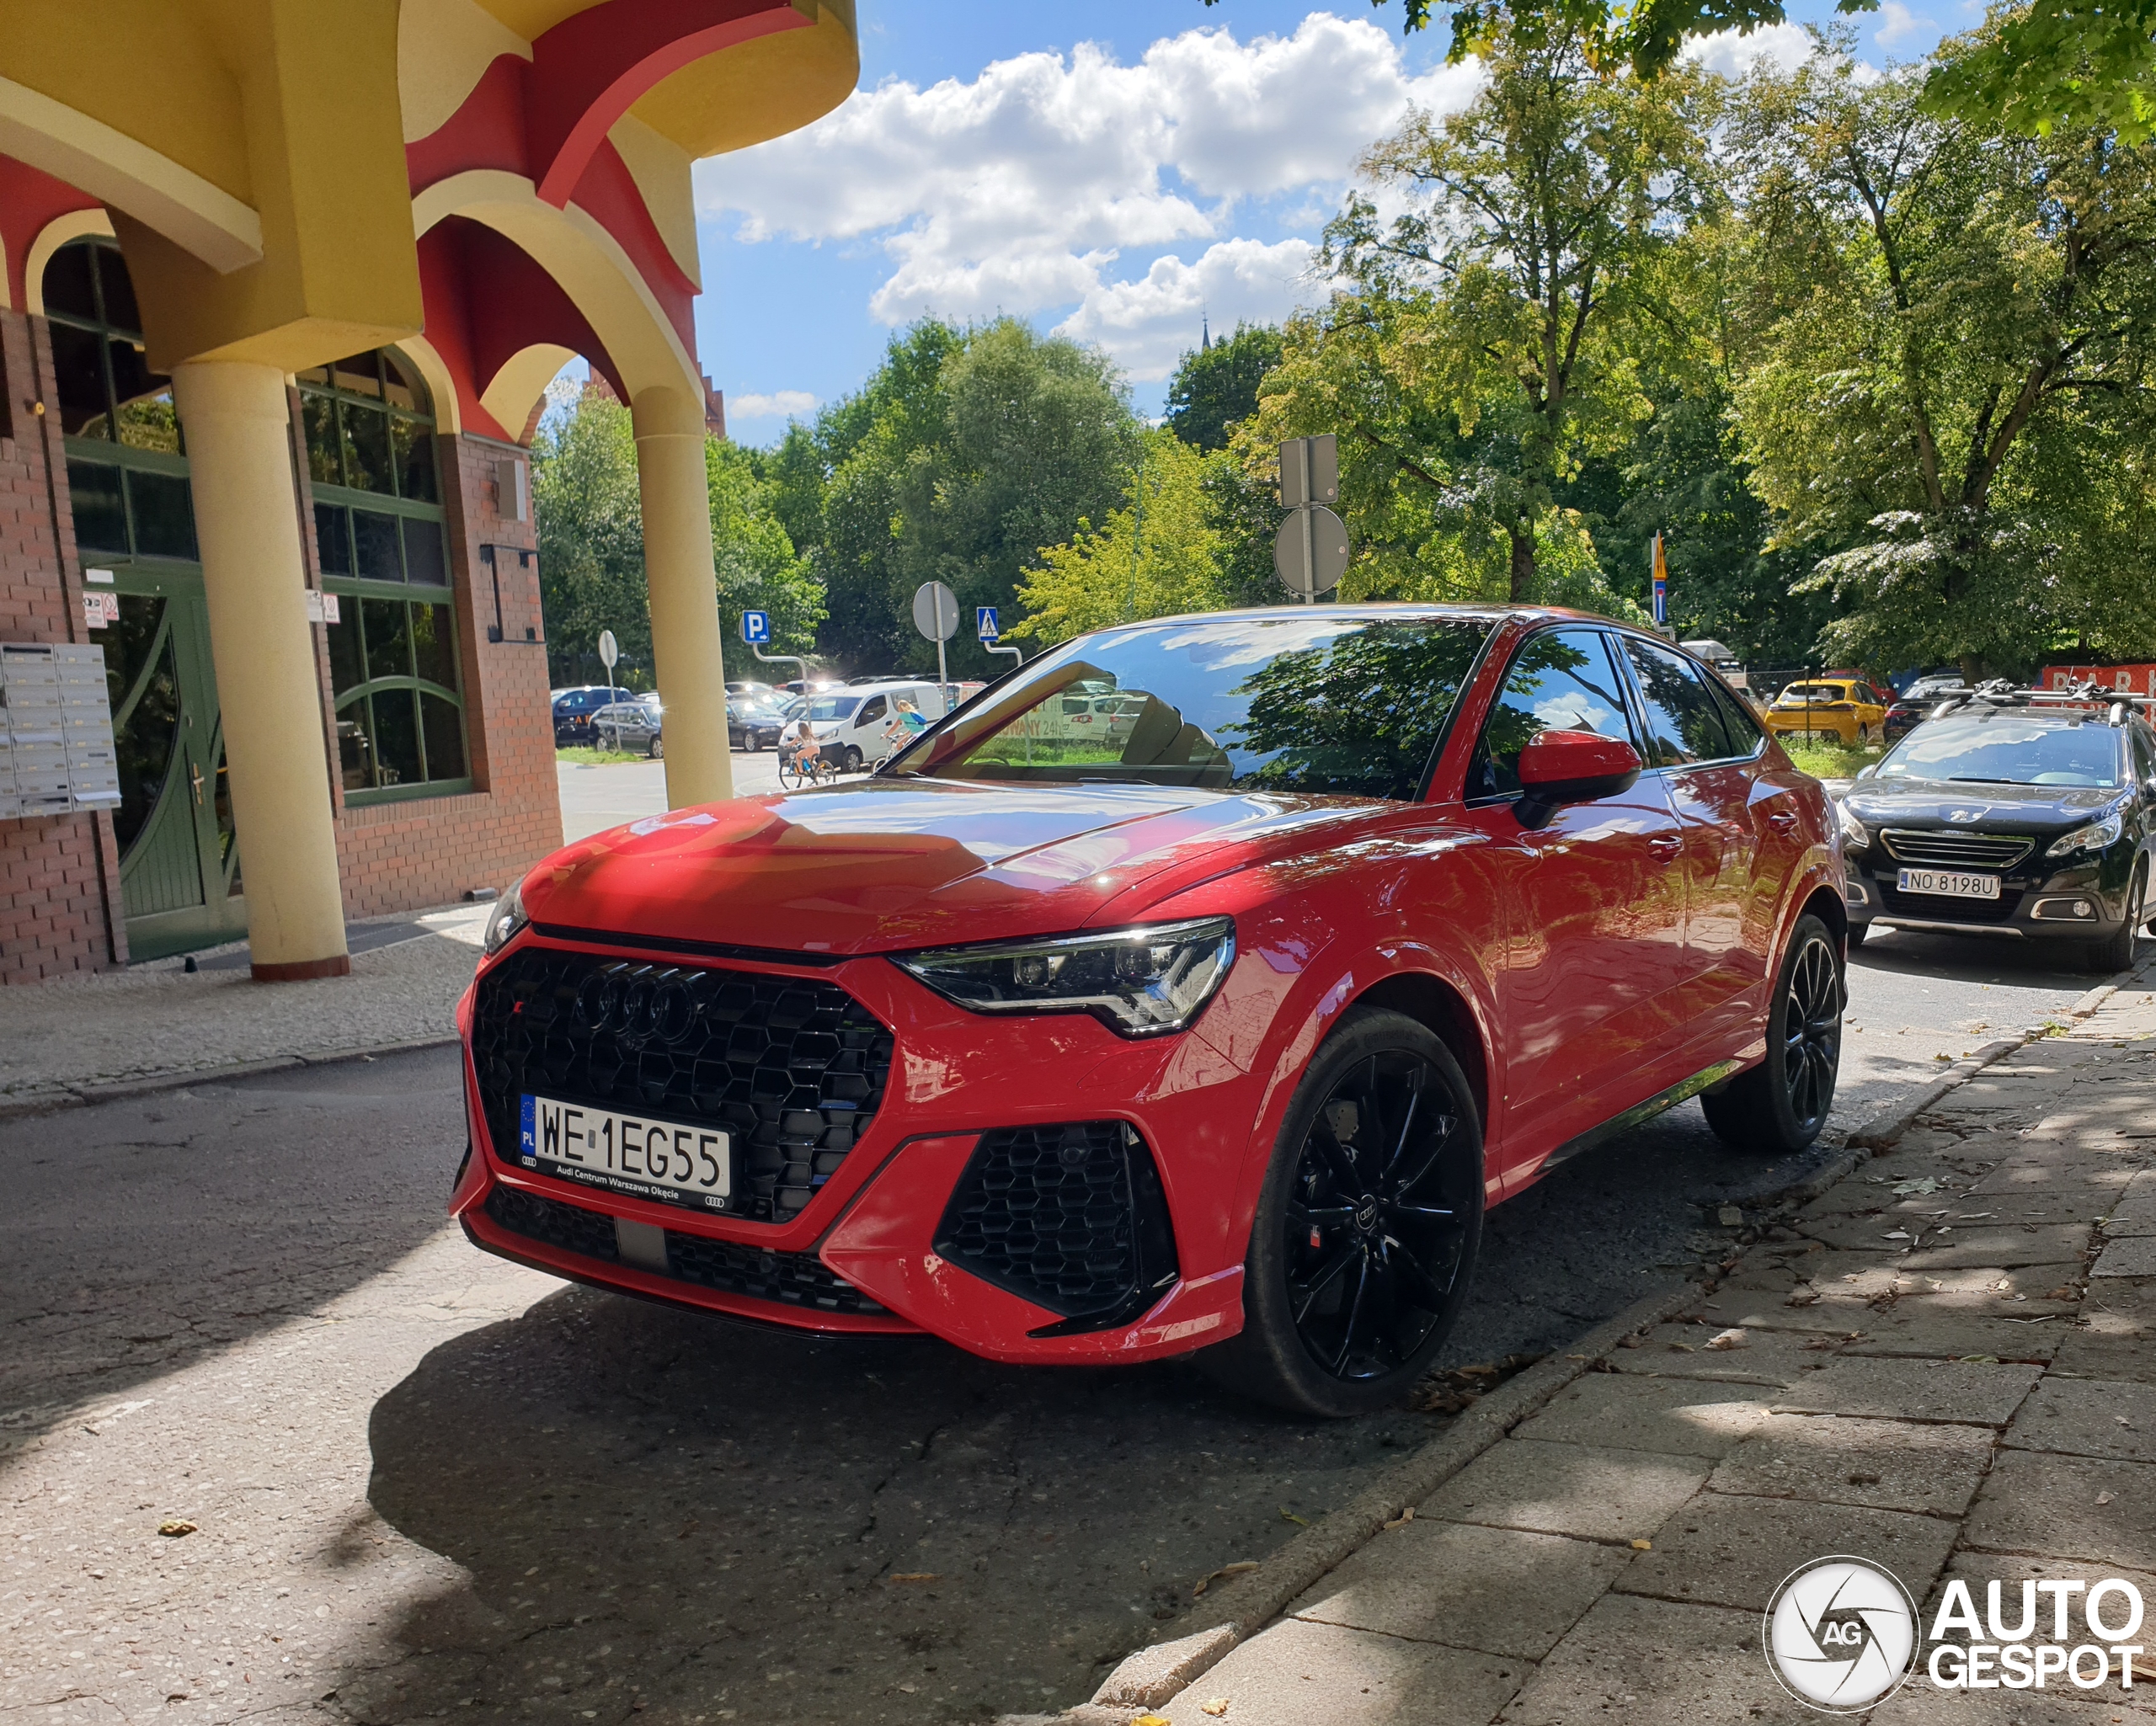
1942	1363
77	1038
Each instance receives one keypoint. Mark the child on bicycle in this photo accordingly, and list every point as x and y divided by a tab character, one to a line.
798	748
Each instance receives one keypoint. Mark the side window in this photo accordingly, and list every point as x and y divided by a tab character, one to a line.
1683	719
1737	719
1560	680
871	710
2144	752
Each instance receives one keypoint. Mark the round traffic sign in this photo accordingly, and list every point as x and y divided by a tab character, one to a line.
935	611
1309	554
609	650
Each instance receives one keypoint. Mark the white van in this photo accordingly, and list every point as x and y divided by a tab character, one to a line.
849	722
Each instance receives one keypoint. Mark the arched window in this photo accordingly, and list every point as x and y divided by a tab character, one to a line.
126	463
378	524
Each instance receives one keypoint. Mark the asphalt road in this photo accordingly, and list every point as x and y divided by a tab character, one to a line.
425	1482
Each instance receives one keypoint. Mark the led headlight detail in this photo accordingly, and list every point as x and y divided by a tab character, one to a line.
2094	836
1854	832
503	921
1137	981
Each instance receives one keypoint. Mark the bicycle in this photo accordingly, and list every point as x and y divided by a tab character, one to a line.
804	768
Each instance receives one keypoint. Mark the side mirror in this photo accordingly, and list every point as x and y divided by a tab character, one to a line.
1867	769
1561	767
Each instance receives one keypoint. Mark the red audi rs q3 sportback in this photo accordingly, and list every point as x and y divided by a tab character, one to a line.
1192	989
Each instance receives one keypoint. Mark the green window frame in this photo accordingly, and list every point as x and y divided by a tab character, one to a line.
126	454
382	536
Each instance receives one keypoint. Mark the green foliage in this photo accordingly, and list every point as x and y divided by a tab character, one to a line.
1216	386
590	518
1111	574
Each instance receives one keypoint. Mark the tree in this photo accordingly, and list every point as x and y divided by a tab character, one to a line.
1947	396
1216	385
1111	574
1509	282
757	567
590	529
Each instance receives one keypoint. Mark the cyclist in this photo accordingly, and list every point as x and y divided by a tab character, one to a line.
798	748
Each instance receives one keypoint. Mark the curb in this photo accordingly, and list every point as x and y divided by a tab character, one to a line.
76	1096
1153	1676
1245	1606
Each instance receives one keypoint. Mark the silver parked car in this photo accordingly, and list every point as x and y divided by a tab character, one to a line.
633	726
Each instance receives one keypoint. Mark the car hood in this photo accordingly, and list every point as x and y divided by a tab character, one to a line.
1933	802
882	865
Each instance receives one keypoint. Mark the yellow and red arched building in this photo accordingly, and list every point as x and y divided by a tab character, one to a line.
284	284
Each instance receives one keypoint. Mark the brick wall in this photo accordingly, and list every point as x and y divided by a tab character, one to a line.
59	876
400	856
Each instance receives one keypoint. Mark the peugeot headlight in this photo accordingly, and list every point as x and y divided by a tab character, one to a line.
2097	836
1137	981
1854	832
506	919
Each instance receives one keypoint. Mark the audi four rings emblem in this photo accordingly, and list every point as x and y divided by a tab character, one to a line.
1841	1635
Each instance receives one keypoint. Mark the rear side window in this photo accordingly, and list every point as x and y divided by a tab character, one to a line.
1745	735
1684	722
1560	680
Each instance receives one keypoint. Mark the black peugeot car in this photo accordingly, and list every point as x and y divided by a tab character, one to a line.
2008	814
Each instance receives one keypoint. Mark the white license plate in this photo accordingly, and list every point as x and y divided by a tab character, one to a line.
1948	883
637	1154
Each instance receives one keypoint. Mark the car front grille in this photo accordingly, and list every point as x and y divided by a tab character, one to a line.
1938	908
1945	849
793	1069
1070	1218
788	1279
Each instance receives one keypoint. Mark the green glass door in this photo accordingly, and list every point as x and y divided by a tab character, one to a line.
178	855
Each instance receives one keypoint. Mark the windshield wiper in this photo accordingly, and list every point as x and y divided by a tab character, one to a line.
1963	779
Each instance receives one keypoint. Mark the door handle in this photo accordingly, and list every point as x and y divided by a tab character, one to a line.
1665	844
1781	820
195	772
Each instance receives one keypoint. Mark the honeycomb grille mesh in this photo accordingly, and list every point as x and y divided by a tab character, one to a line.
791	1279
794	1069
1046	1213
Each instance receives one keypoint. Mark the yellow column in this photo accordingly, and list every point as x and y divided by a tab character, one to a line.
239	458
677	561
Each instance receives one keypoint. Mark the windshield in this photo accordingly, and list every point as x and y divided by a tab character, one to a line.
2007	751
1801	692
828	707
1347	707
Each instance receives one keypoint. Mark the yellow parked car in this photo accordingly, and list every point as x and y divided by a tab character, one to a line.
1841	708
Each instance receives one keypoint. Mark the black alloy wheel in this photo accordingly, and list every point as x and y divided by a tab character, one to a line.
2115	952
1366	1235
1782	1105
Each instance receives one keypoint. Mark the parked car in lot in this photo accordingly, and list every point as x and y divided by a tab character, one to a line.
1216	1033
632	727
1846	709
574	709
1913	705
752	724
2018	816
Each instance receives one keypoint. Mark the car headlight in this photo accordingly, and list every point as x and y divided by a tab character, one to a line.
506	919
2097	836
1854	832
1137	981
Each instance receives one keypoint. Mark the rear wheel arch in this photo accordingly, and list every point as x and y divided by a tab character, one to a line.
1830	908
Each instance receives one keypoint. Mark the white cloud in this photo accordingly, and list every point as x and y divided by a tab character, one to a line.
1026	188
1900	23
1733	55
780	404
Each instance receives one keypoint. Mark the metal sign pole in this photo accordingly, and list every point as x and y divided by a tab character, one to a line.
943	672
784	659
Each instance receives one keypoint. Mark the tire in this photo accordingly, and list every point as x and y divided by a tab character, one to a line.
657	751
608	741
1864	737
851	763
2115	953
1782	1105
1857	933
1348	1326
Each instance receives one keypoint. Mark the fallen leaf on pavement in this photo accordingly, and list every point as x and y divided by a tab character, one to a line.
914	1576
1642	1545
175	1528
1151	1720
1289	1516
1235	1569
2104	1498
1216	1708
1734	1339
1802	1300
1407	1516
1905	1189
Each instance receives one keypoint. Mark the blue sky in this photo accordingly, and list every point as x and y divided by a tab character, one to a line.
1115	170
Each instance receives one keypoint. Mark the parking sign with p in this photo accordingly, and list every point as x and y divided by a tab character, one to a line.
756	627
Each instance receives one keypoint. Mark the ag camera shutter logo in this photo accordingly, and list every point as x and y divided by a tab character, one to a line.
1841	1635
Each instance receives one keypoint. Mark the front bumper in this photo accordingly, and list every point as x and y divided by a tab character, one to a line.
845	1241
2036	904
